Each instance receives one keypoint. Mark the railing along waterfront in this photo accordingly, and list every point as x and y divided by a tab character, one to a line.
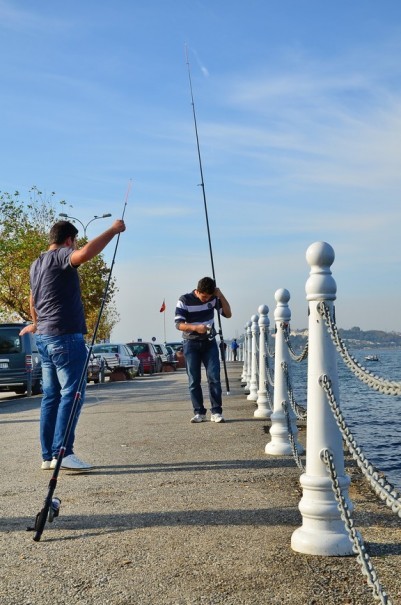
327	525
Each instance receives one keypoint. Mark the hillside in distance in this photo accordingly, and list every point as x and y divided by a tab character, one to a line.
355	338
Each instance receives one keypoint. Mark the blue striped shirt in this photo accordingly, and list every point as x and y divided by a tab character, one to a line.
191	310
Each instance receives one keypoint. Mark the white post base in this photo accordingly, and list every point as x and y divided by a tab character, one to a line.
262	411
323	531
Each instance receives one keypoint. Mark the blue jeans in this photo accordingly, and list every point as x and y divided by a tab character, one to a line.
63	359
197	352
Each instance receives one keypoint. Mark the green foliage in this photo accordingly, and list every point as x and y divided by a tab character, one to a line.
24	228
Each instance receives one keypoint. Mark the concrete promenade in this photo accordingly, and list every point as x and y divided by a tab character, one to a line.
174	513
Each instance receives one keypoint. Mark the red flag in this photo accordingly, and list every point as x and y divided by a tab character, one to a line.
163	307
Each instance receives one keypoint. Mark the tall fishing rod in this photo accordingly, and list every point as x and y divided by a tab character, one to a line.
51	506
202	185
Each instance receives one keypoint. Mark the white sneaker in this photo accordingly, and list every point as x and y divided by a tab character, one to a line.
46	465
199	418
73	463
217	418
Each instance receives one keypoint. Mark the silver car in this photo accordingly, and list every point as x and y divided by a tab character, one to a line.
117	356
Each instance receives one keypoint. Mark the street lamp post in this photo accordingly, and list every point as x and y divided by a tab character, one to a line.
84	227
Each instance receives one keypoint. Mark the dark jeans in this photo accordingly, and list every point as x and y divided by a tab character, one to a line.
206	352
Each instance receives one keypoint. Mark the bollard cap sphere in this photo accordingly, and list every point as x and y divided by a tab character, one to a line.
254	318
282	311
321	284
320	254
264	320
282	296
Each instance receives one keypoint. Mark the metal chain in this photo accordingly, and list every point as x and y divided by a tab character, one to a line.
270	352
358	545
387	387
291	438
269	375
382	487
257	356
285	328
269	398
299	411
270	379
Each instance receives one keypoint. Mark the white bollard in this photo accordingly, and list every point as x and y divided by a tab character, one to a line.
279	444
253	385
244	356
248	334
263	410
322	532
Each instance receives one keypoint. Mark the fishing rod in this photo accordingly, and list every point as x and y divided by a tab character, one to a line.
51	506
202	185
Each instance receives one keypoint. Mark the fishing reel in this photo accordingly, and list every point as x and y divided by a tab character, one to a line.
54	509
52	513
210	331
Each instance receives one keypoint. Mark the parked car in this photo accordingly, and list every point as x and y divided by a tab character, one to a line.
166	358
96	368
177	346
20	364
172	355
148	356
117	356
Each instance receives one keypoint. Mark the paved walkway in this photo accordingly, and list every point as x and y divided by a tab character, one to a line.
174	513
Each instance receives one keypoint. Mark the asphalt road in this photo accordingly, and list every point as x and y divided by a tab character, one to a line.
173	513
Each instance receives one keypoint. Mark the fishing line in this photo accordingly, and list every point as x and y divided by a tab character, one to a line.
51	505
202	185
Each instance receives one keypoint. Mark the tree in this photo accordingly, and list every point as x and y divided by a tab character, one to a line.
24	231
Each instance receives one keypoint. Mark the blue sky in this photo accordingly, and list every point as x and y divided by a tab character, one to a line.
298	106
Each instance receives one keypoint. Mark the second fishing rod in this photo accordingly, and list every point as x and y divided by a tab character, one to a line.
202	185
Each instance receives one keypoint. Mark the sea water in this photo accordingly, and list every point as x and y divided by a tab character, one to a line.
373	418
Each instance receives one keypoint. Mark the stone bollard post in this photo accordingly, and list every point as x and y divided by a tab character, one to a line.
253	385
263	410
322	531
247	388
279	444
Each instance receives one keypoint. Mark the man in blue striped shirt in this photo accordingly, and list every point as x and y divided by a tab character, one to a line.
194	316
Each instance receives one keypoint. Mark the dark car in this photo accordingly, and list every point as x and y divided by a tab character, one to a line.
20	364
147	355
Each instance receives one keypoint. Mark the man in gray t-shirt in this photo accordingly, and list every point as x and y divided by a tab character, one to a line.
59	324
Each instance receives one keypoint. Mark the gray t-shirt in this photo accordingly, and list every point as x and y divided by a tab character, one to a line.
57	294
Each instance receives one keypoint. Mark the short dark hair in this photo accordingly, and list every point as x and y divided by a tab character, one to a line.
206	285
61	231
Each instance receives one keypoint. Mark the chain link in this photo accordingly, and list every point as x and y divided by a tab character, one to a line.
285	328
358	545
299	411
382	487
387	387
291	438
269	375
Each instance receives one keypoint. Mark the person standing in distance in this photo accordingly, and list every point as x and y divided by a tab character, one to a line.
59	322
234	348
194	316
